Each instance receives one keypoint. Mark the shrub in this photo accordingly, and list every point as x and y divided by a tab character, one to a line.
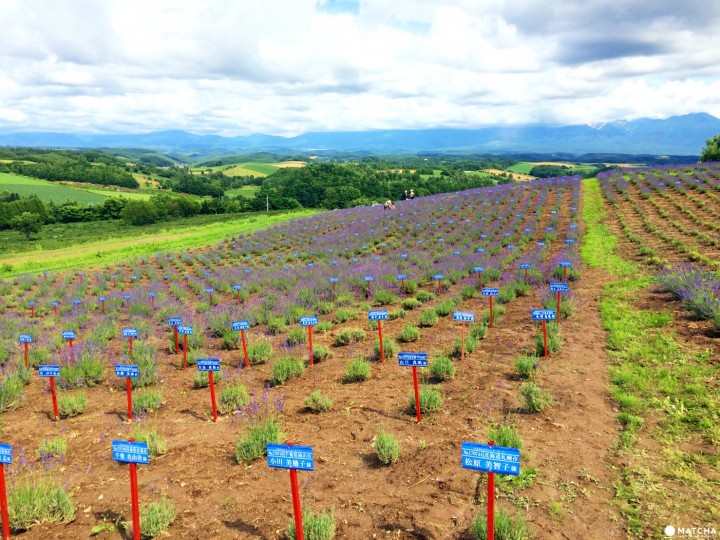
349	335
296	336
430	399
11	388
411	286
566	304
323	308
357	370
318	402
253	445
383	297
55	447
536	399
498	312
285	369
157	444
390	348
506	528
275	326
259	352
522	288
507	294
479	331
72	404
409	334
554	341
428	318
424	296
470	345
201	379
468	292
146	401
320	353
232	397
343	315
320	526
38	501
526	366
442	368
87	371
387	448
398	313
444	308
323	326
155	518
505	435
144	357
411	303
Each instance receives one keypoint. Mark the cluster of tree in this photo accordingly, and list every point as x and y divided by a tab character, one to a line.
329	185
711	152
549	171
91	166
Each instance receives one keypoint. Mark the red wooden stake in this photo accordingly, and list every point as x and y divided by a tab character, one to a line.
247	360
130	344
128	391
56	412
211	303
564	273
526	274
491	503
55	310
462	342
418	413
368	289
114	283
4	504
439	284
212	395
184	351
402	282
544	323
102	304
334	287
26	354
558	307
32	312
311	345
237	295
491	312
134	499
297	511
177	345
480	279
382	345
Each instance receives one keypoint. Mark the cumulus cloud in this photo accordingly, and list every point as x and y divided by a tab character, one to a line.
289	66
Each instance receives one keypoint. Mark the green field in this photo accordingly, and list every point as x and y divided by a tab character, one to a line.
46	191
250	168
130	195
522	168
245	191
76	245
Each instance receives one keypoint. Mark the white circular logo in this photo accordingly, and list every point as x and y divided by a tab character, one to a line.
669	530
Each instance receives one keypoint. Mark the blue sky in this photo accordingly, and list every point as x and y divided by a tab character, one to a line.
289	66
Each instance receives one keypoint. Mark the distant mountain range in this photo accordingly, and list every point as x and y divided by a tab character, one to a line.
677	135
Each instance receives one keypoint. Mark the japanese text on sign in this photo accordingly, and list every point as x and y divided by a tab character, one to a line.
491	459
409	359
290	457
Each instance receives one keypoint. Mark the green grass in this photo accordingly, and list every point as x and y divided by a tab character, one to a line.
47	191
156	517
522	167
130	195
103	242
387	448
254	444
37	501
245	191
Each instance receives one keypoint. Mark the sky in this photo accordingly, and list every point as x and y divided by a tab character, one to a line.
285	67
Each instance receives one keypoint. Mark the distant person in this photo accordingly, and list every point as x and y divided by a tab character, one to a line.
412	193
389	205
405	196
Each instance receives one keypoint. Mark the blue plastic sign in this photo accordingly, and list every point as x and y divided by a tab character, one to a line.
247	270
5	454
130	452
237	287
54	304
123	370
283	456
354	259
208	364
368	278
543	314
541	244
174	321
151	295
77	302
185	330
456	253
334	280
134	278
240	325
166	277
310	265
400	277
491	459
570	241
378	315
25	338
101	298
333	262
438	277
511	246
126	297
565	264
490	291
559	287
129	332
463	316
310	320
209	290
480	250
68	334
403	255
478	269
31	303
525	266
376	258
412	359
49	370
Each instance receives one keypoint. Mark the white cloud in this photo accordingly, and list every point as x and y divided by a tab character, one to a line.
288	66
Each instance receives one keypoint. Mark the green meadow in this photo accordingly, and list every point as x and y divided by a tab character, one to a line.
47	191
